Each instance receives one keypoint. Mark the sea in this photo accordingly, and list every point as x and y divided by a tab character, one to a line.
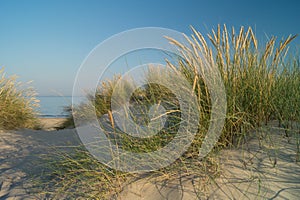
54	106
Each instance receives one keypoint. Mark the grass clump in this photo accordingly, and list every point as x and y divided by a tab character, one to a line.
254	76
260	86
77	175
17	105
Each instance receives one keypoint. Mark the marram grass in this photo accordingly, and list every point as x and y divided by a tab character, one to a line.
17	104
260	83
254	76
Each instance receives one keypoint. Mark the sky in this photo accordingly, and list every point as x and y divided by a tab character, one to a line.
47	40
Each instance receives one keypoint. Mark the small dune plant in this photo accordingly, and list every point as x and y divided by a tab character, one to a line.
17	104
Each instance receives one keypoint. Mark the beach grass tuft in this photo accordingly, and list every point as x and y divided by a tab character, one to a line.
17	104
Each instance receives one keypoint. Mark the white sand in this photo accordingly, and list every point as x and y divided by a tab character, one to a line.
50	124
248	173
263	169
20	154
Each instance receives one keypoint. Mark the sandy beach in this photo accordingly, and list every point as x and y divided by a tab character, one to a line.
50	124
256	171
21	155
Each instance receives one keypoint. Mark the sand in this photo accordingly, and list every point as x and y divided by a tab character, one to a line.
260	169
247	173
20	156
50	124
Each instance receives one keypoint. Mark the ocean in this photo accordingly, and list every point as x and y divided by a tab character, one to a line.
54	106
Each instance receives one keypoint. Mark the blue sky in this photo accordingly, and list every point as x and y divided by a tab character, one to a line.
46	41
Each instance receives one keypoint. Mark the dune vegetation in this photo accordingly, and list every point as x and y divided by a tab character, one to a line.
262	83
17	104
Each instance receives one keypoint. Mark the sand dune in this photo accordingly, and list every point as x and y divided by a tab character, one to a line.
258	170
265	168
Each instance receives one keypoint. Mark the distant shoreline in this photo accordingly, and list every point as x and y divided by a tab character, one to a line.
52	116
53	106
82	96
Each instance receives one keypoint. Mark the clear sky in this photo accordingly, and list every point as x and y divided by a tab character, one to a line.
47	40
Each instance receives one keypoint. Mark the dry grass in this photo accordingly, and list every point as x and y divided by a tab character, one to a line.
17	105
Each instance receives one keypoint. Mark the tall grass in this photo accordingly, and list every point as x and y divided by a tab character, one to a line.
261	85
287	99
17	104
